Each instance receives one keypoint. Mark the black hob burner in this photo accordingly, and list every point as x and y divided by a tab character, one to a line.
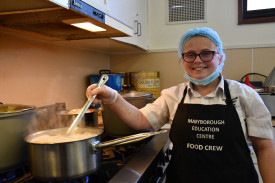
30	179
8	176
105	173
13	174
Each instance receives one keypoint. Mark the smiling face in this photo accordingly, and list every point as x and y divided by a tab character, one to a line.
199	69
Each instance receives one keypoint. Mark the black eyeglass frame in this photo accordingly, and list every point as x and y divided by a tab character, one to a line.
199	54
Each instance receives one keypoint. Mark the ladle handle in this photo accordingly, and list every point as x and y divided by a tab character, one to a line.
103	79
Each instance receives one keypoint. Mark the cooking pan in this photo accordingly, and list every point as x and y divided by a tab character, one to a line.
15	122
73	156
90	118
113	126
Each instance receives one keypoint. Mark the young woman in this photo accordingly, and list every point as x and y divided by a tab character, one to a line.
214	120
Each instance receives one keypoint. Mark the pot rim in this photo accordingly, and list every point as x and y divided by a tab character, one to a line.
30	137
136	95
23	109
76	111
106	74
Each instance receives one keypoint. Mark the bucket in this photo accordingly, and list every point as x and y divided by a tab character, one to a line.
146	81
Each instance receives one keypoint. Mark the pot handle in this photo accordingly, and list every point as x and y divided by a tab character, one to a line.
125	140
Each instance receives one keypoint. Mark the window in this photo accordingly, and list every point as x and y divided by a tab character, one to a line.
255	11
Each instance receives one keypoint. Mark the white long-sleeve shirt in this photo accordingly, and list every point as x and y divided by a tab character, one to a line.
254	116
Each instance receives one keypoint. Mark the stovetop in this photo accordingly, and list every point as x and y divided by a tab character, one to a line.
143	161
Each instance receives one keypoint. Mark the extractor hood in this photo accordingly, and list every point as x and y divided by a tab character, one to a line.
54	18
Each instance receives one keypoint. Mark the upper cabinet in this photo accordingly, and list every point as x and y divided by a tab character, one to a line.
62	19
133	13
123	23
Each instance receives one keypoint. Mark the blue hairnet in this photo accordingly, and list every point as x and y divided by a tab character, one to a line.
206	32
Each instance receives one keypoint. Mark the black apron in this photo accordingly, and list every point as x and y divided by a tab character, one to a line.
209	145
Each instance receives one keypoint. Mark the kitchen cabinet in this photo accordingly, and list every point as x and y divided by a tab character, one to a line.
27	19
55	18
134	13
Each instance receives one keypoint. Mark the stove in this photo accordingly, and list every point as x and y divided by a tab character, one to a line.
143	161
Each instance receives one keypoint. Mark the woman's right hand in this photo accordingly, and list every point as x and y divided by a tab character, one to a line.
104	94
125	111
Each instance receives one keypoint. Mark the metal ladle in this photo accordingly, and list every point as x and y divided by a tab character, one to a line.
103	79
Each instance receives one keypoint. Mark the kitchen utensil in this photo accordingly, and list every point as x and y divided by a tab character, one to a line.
113	126
258	79
65	160
15	123
101	82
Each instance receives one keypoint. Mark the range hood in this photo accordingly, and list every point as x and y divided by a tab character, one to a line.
54	18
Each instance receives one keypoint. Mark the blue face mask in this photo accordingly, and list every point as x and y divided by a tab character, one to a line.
204	81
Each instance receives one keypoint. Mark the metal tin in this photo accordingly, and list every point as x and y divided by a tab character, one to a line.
146	81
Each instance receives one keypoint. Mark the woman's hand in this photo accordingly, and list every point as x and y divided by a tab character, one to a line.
104	94
125	111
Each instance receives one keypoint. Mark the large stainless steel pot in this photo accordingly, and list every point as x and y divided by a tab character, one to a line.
113	125
65	160
15	122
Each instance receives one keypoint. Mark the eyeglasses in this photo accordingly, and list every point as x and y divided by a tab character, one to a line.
205	56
